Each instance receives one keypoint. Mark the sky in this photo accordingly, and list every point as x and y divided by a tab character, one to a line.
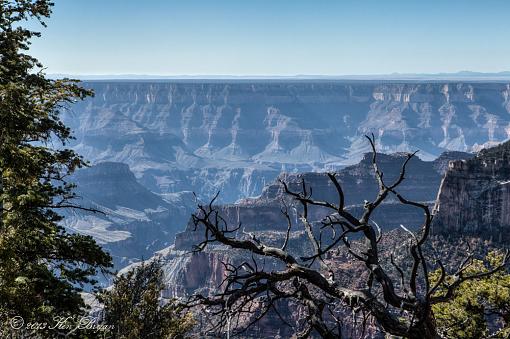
274	37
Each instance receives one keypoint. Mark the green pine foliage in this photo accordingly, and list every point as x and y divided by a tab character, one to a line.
43	268
480	308
134	309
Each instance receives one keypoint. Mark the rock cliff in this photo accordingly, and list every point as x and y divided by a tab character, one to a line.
474	197
237	136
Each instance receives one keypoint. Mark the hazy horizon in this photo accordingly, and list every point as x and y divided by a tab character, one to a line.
462	75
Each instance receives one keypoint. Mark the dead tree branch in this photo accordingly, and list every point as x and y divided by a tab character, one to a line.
250	291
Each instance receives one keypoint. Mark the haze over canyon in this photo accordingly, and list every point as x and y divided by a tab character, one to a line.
153	143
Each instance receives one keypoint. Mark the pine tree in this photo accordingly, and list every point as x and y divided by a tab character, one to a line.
43	268
134	309
479	308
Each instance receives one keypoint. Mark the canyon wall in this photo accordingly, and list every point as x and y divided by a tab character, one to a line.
237	136
161	140
474	197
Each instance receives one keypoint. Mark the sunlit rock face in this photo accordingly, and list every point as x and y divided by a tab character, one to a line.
474	197
236	136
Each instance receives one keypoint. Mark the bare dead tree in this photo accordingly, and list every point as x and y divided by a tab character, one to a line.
250	290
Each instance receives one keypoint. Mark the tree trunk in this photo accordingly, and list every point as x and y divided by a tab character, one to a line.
1	200
426	329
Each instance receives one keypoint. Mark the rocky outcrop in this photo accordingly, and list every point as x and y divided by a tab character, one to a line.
474	197
132	222
112	184
442	162
236	136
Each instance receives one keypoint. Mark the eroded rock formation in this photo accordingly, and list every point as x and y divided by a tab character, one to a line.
237	136
474	197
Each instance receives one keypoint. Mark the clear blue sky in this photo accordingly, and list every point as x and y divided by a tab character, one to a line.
275	37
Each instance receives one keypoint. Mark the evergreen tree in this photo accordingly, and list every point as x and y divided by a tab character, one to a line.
43	268
480	308
134	309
